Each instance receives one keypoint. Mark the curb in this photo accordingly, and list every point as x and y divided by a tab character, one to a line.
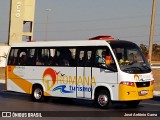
156	93
2	81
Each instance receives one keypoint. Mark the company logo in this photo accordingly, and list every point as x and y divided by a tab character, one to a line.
136	77
49	75
141	78
66	84
62	89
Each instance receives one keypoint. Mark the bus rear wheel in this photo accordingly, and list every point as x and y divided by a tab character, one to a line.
37	94
103	99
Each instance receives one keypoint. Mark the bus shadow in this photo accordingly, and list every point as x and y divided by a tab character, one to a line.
14	95
67	101
156	98
90	104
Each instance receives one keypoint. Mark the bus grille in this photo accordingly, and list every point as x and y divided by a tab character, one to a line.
142	84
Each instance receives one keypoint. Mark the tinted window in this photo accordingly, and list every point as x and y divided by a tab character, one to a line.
21	56
130	57
85	56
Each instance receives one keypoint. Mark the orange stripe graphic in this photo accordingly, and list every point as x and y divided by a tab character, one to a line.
22	83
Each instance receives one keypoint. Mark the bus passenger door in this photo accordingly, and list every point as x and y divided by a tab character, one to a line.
84	75
83	82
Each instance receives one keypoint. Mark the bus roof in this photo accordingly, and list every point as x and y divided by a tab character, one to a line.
61	43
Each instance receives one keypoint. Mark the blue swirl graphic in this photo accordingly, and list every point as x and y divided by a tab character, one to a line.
62	89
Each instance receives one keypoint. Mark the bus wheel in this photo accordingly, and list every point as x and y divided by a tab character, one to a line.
103	99
37	94
133	103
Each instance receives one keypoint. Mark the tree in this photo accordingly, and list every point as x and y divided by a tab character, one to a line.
144	49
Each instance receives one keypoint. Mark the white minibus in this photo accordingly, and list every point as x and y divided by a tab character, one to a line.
101	70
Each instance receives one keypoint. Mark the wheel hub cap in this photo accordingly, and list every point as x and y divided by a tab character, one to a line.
102	100
38	93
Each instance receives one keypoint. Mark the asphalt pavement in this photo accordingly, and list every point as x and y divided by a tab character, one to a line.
59	109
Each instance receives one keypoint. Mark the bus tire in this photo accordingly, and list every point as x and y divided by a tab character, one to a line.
37	94
103	99
133	104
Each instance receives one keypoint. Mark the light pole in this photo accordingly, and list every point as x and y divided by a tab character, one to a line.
152	30
47	12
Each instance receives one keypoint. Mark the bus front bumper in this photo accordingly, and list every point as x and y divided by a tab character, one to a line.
128	93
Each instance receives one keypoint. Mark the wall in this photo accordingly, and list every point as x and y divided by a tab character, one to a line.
3	54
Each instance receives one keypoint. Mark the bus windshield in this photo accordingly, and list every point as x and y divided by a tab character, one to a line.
130	57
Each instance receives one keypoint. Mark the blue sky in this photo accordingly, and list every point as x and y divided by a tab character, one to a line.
82	19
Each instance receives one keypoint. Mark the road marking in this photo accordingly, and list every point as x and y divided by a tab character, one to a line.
150	104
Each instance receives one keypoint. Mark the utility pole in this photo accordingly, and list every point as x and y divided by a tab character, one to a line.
152	30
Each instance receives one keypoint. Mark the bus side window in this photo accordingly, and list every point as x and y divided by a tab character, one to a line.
85	57
31	56
38	57
72	60
100	56
81	58
56	57
22	58
13	57
100	59
43	56
65	57
51	59
90	58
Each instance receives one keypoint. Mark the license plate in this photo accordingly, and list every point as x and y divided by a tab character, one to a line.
143	92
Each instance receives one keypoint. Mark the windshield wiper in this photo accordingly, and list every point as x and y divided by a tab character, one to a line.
132	68
144	66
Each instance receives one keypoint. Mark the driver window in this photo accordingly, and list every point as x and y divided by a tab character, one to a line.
104	56
100	56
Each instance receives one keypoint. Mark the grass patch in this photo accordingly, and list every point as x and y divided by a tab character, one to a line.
156	75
